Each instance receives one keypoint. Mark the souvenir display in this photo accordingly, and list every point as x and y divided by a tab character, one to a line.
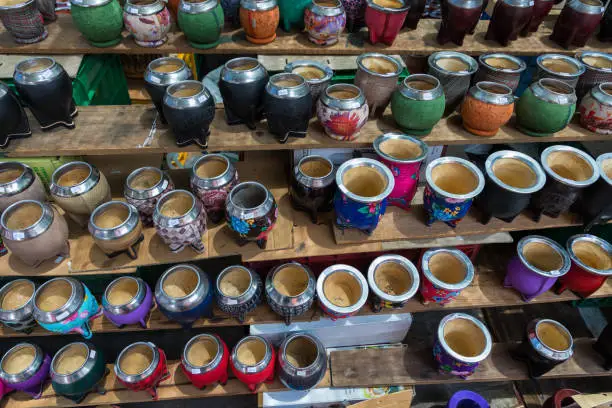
342	110
79	188
324	21
577	22
184	294
180	221
596	109
202	22
65	305
302	361
393	280
546	344
502	68
385	19
364	186
23	21
538	263
127	300
561	67
238	291
598	70
25	367
116	228
78	369
259	19
451	186
510	17
342	291
462	343
251	212
35	232
100	21
486	107
511	179
212	178
15	124
541	8
403	155
454	71
242	84
458	19
377	76
189	109
253	361
147	21
19	182
292	13
318	76
143	188
595	205
46	89
290	290
569	171
205	359
591	265
142	366
312	187
287	106
546	107
17	305
445	273
160	74
418	104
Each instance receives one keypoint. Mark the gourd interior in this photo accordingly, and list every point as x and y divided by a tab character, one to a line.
242	65
558	88
177	205
401	149
607	89
211	167
392	278
248	196
112	216
591	2
309	72
569	165
597	62
452	64
606	168
560	66
167	66
251	352
454	178
553	336
419	84
378	64
34	65
74	176
342	289
592	255
53	296
235	282
315	167
514	173
343	93
447	268
23	216
288	81
180	283
72	359
10	174
301	352
142	2
145	180
122	291
290	280
501	63
202	352
364	181
392	4
19	360
542	256
494	89
464	337
136	359
186	90
17	295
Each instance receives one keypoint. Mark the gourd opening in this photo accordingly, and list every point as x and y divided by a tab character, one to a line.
447	268
70	359
74	175
248	196
514	172
364	181
19	359
301	352
315	167
136	360
342	289
202	352
235	282
17	295
211	167
464	337
597	61
180	283
592	255
382	65
145	180
290	280
501	63
454	178
452	64
553	336
542	256
185	90
177	205
569	165
111	216
309	72
560	66
251	352
10	173
392	278
122	291
53	295
401	149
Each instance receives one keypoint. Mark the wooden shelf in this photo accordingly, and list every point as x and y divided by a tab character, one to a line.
177	386
65	39
104	130
407	366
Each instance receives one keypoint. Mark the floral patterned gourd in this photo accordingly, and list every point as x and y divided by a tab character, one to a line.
596	109
147	21
213	177
324	21
444	274
342	110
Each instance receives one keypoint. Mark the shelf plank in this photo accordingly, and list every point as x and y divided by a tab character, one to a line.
401	365
65	39
104	130
176	387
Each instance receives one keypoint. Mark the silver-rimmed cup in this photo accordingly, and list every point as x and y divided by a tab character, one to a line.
143	187
446	272
454	70
127	300
342	291
131	375
115	227
302	361
501	68
212	178
290	290
238	291
23	367
19	182
202	355
598	69
560	67
317	75
393	280
160	74
377	76
17	305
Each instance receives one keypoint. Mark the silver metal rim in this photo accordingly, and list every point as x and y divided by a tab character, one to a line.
134	378
329	73
80	372
468	165
245	296
30	371
540	180
234	76
573	61
583	155
358	276
287	92
258	5
457	254
201	98
600	164
260	210
482	92
172	222
126	227
365	162
261	365
432	61
316	182
580	57
74	302
400	136
566	263
292	370
582	7
419	94
219	181
543	349
23	312
398	66
150	192
21	183
209	366
291	301
522	66
601	95
130	305
92	180
343	104
187	302
197	8
47	74
38	228
318	9
605	245
89	3
143	10
406	265
157	78
15	7
389	10
488	341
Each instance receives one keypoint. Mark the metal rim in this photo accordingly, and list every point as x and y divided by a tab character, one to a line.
583	155
274	296
287	92
258	5
343	104
580	57
89	3
29	371
600	165
193	369
187	217
566	263
146	193
482	91
131	304
370	163
421	94
303	371
358	276
458	255
190	300
404	264
468	165
310	181
132	7
604	245
22	312
544	349
215	182
389	10
84	186
432	61
14	7
398	66
126	227
19	184
324	10
246	294
133	378
72	304
400	136
573	61
49	73
81	371
254	212
488	341
521	64
540	176
329	73
199	7
259	366
163	79
39	227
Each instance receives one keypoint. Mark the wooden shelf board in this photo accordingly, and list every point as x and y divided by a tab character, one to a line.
400	365
176	387
104	130
65	39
